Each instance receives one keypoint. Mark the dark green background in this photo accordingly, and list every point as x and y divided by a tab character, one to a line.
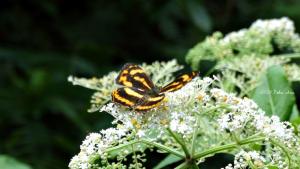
43	118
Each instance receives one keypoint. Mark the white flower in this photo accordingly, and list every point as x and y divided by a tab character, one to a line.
284	24
92	143
246	112
182	123
243	158
234	37
141	133
80	161
95	145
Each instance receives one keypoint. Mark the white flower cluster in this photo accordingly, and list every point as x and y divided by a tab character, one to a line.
282	29
94	145
245	159
243	56
245	114
284	25
260	160
234	37
182	123
196	109
177	111
148	125
292	72
103	87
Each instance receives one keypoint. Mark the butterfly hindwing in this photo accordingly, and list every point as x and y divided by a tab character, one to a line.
132	75
136	99
179	82
127	96
150	102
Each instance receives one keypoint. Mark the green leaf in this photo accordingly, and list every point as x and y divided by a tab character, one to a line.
295	119
170	159
295	113
7	162
274	94
272	167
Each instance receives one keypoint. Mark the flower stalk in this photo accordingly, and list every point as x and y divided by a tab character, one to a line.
180	142
221	148
148	142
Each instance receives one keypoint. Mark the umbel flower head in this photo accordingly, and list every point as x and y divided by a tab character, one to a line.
243	56
192	123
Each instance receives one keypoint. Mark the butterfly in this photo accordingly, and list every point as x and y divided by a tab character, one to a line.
139	92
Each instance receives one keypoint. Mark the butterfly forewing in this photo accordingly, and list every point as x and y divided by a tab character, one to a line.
127	96
150	102
179	82
132	75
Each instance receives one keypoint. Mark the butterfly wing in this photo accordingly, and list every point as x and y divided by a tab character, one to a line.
127	96
150	102
134	76
179	82
136	99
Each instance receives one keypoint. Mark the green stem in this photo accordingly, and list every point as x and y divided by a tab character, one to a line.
211	70
183	165
188	165
135	157
254	136
180	142
290	55
225	106
227	147
251	164
194	137
165	148
236	139
148	142
283	149
246	91
194	165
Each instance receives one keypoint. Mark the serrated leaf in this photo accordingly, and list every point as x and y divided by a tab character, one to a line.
170	159
274	94
7	162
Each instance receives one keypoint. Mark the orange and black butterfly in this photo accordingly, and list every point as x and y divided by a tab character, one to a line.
139	92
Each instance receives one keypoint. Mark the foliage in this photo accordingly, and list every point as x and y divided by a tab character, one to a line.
274	94
39	123
7	162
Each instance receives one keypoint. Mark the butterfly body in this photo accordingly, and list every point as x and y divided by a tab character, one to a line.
139	92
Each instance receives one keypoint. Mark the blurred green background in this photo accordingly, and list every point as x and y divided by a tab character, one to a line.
43	118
